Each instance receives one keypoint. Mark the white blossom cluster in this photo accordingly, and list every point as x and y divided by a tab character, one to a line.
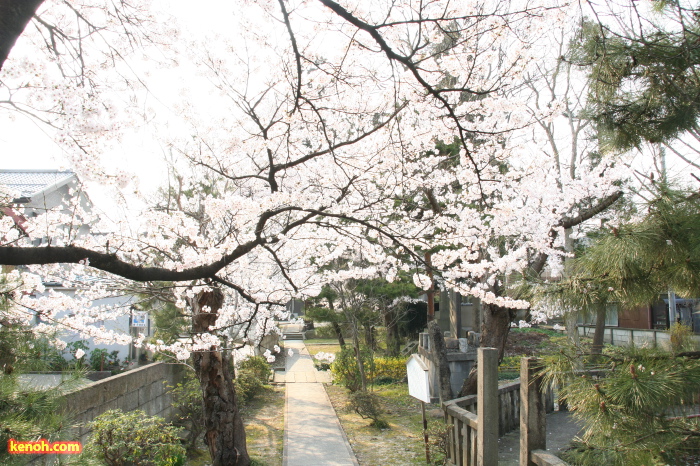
325	357
288	156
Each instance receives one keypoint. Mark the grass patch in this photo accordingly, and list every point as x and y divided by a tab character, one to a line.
264	426
314	347
402	443
321	341
263	418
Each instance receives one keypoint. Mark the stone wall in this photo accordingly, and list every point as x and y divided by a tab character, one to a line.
144	388
460	357
625	336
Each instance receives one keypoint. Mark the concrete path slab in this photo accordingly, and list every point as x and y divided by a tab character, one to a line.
312	432
300	366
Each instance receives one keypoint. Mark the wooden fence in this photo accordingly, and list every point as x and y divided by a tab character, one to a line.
475	422
473	437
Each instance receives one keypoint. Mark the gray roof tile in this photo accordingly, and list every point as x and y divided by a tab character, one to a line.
27	183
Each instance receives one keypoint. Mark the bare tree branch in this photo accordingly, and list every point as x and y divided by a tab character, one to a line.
569	222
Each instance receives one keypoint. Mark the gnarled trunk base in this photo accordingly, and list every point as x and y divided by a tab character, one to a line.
224	431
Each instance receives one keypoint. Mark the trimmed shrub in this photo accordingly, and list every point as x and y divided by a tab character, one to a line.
325	332
248	386
345	371
251	377
257	366
380	370
389	368
367	405
121	439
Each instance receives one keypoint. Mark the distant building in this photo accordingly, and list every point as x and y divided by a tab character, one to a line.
36	192
295	307
39	189
659	315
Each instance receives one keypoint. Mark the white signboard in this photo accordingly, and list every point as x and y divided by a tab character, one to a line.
139	319
418	382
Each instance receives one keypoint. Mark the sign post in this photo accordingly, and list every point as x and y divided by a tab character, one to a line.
419	387
425	433
139	319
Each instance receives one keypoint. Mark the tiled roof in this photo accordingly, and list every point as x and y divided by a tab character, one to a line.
27	183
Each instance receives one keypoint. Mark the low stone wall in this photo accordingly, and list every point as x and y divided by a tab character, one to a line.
460	362
144	388
625	336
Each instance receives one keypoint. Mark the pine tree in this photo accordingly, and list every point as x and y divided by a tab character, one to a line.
637	261
26	412
631	264
635	409
644	84
636	406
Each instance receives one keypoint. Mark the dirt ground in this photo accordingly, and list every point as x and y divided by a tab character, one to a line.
528	343
401	443
264	425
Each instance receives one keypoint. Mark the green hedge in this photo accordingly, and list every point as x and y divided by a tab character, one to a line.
389	368
377	369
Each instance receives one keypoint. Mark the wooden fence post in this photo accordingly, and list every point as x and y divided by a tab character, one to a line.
533	423
487	407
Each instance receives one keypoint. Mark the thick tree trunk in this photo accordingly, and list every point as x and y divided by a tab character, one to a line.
370	339
338	333
393	342
224	432
571	323
495	325
14	17
437	343
358	356
597	346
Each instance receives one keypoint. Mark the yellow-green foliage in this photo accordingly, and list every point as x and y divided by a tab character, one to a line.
681	337
392	368
377	369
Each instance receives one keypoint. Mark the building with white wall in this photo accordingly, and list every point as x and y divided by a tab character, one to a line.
37	191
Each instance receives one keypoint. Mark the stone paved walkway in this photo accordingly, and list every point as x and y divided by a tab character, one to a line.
312	432
561	429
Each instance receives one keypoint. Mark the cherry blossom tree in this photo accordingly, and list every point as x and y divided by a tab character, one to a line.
571	142
300	132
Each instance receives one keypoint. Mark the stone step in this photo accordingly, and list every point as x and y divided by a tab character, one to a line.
294	336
